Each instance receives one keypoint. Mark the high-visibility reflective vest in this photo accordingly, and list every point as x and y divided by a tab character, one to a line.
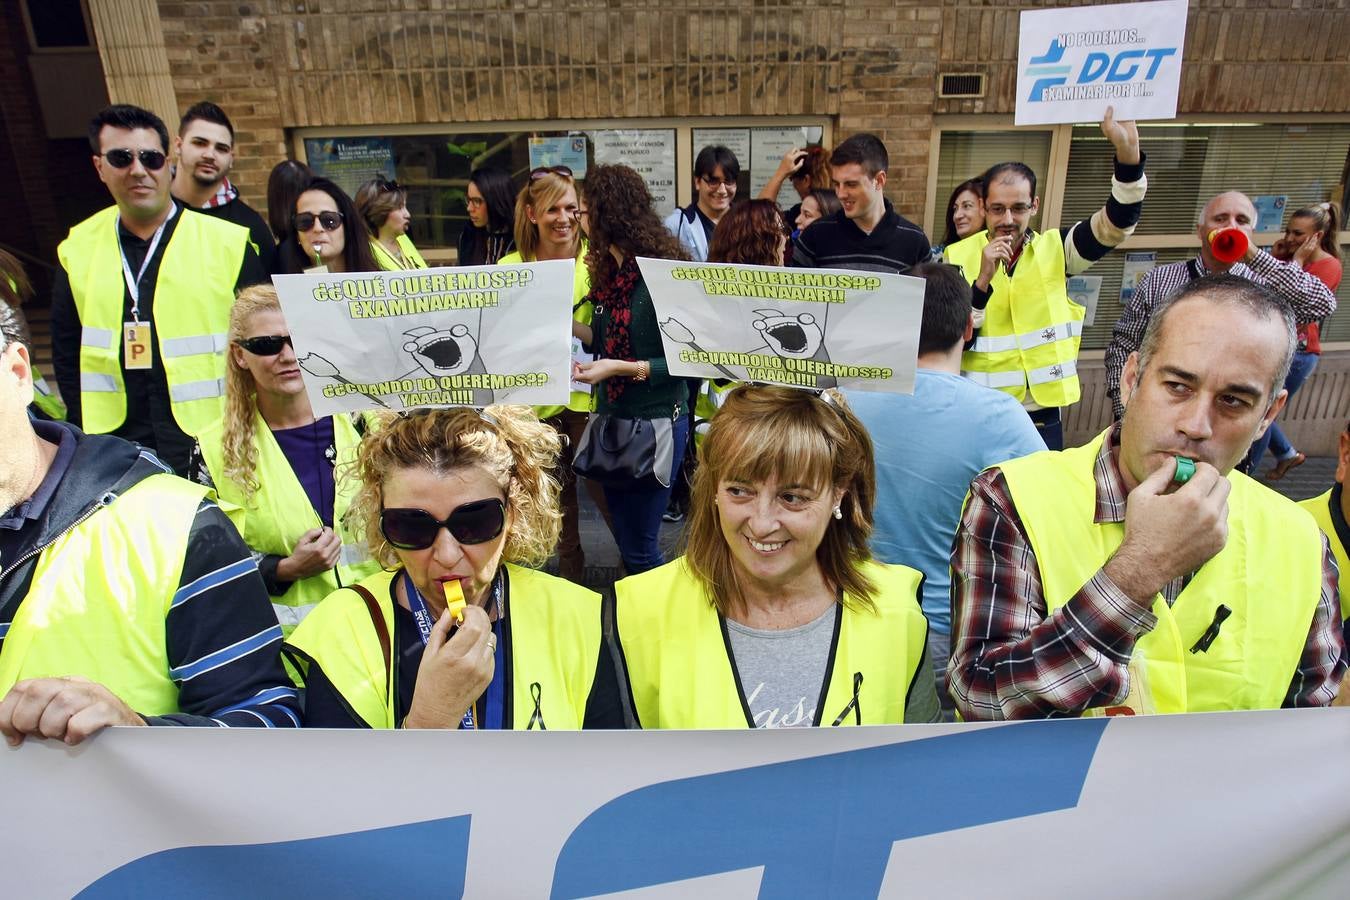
100	594
583	311
272	518
682	674
1031	328
45	399
1268	574
1320	507
708	401
551	635
411	258
193	293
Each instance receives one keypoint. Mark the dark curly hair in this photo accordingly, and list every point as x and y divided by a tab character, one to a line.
619	214
751	233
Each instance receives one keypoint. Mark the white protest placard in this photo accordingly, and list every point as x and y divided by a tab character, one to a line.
470	336
1074	63
806	328
648	151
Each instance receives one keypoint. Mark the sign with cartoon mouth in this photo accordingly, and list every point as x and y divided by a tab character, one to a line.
469	336
807	328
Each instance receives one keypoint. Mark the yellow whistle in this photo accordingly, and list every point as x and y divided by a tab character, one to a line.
454	599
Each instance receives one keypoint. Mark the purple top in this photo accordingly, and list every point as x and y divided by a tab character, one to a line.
311	452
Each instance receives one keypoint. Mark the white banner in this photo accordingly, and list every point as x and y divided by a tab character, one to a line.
470	336
1217	805
1074	63
807	328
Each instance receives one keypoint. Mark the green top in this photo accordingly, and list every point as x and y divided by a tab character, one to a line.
660	393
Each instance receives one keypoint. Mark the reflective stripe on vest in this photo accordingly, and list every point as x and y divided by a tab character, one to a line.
1320	507
272	518
194	290
679	660
1269	574
552	632
45	399
1031	327
100	595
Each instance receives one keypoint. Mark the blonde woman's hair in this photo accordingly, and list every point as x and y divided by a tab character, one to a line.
539	193
241	391
789	436
509	443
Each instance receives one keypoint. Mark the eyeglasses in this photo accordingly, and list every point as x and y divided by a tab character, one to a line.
266	344
388	187
471	523
121	158
536	174
714	182
330	220
998	209
475	202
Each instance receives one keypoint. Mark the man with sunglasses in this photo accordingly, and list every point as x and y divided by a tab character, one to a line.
205	151
1029	329
126	596
716	170
141	301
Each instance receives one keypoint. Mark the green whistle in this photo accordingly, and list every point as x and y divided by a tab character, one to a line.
1185	470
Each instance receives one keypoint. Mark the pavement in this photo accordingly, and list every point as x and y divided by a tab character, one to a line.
602	555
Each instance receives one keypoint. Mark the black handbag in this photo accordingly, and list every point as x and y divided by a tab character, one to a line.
626	454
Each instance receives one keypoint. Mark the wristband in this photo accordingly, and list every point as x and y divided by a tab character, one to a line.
1185	470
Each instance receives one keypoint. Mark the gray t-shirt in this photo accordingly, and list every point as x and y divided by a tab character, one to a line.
782	673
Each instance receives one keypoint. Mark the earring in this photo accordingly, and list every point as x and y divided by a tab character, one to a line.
838	513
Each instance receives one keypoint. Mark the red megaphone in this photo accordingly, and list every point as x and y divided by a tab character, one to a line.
1228	244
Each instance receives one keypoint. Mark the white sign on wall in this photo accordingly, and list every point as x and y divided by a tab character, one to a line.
1074	63
648	151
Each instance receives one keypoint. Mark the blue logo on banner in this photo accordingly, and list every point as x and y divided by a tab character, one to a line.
1050	71
823	827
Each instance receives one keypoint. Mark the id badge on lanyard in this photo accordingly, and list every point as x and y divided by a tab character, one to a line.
422	616
136	335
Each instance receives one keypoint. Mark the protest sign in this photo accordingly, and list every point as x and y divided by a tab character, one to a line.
1074	63
470	336
807	328
881	811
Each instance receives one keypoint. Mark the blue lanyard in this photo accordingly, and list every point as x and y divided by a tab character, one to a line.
496	691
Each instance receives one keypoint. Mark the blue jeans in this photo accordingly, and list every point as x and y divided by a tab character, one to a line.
1050	426
637	514
1302	367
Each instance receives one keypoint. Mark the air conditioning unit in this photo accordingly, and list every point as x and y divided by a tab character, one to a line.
961	84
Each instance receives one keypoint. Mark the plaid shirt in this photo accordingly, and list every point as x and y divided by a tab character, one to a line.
1310	298
1011	660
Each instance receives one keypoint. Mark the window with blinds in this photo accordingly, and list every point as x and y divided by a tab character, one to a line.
966	154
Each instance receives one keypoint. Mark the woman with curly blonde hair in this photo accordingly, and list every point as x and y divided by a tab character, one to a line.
274	465
630	375
458	504
777	616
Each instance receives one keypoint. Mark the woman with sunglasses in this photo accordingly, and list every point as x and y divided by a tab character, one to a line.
490	200
547	228
630	375
383	205
776	616
274	465
454	503
326	230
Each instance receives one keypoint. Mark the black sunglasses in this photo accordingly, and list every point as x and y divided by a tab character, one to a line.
416	529
388	187
540	172
121	158
330	220
266	345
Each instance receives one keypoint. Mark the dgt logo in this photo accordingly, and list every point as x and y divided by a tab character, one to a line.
1100	75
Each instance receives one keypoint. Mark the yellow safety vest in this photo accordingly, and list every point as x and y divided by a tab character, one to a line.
386	260
194	291
272	518
45	399
1031	328
1268	574
707	402
551	633
100	594
682	675
582	311
1320	507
